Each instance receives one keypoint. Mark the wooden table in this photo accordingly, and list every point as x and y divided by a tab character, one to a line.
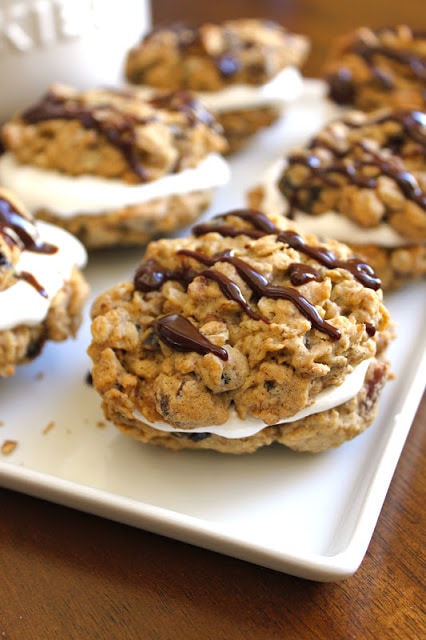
65	574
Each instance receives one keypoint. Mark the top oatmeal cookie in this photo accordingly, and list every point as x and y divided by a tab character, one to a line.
372	68
214	56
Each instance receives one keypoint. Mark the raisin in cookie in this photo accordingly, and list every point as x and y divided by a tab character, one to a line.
245	70
360	180
112	167
374	68
42	290
243	334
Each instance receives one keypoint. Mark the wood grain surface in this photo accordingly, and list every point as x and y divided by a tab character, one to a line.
66	574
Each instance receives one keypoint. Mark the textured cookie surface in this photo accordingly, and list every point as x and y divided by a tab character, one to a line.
214	56
372	68
244	317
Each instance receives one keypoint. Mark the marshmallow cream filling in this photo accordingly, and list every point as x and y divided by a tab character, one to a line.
235	427
286	86
69	195
326	225
22	303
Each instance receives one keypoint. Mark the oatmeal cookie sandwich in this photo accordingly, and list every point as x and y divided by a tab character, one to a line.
244	334
111	167
373	68
245	71
360	180
42	289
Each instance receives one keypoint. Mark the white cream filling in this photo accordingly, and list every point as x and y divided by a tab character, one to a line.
285	87
66	196
235	427
329	224
22	303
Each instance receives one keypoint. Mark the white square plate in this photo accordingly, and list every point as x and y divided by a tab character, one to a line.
309	515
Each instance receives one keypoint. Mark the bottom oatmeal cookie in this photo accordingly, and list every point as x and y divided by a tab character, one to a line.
243	334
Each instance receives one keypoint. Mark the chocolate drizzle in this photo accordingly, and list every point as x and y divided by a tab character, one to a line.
119	130
231	290
261	223
261	287
18	230
31	280
190	42
342	88
151	275
181	334
416	64
186	103
412	122
301	273
359	269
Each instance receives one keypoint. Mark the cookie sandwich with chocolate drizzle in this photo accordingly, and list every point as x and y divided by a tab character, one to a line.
245	71
42	289
374	68
360	180
111	167
243	334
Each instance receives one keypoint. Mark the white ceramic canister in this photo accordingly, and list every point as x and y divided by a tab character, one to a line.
78	42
